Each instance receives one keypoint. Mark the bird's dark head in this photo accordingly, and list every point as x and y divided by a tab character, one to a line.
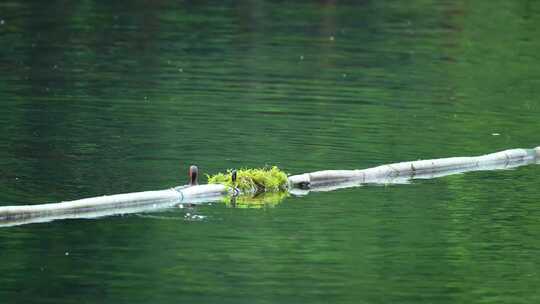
193	174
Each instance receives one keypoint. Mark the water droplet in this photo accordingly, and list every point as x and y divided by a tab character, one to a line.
67	253
2	22
495	134
301	57
331	38
180	70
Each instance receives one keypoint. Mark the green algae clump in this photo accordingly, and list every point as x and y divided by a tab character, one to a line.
253	180
259	201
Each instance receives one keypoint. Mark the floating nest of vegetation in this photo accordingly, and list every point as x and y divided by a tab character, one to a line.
253	180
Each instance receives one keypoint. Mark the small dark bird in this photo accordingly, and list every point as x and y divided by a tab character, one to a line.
233	177
236	191
193	174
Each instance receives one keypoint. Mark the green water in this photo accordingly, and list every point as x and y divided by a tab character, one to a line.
102	98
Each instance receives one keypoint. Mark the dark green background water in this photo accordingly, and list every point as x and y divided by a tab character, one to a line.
103	97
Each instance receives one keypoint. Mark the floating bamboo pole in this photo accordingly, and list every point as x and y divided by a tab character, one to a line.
441	166
111	204
298	184
330	180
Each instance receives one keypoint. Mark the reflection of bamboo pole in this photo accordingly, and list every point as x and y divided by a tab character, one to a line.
315	181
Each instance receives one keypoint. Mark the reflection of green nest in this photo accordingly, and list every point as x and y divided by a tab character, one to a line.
253	180
263	200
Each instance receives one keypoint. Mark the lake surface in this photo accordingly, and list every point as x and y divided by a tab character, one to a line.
103	98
